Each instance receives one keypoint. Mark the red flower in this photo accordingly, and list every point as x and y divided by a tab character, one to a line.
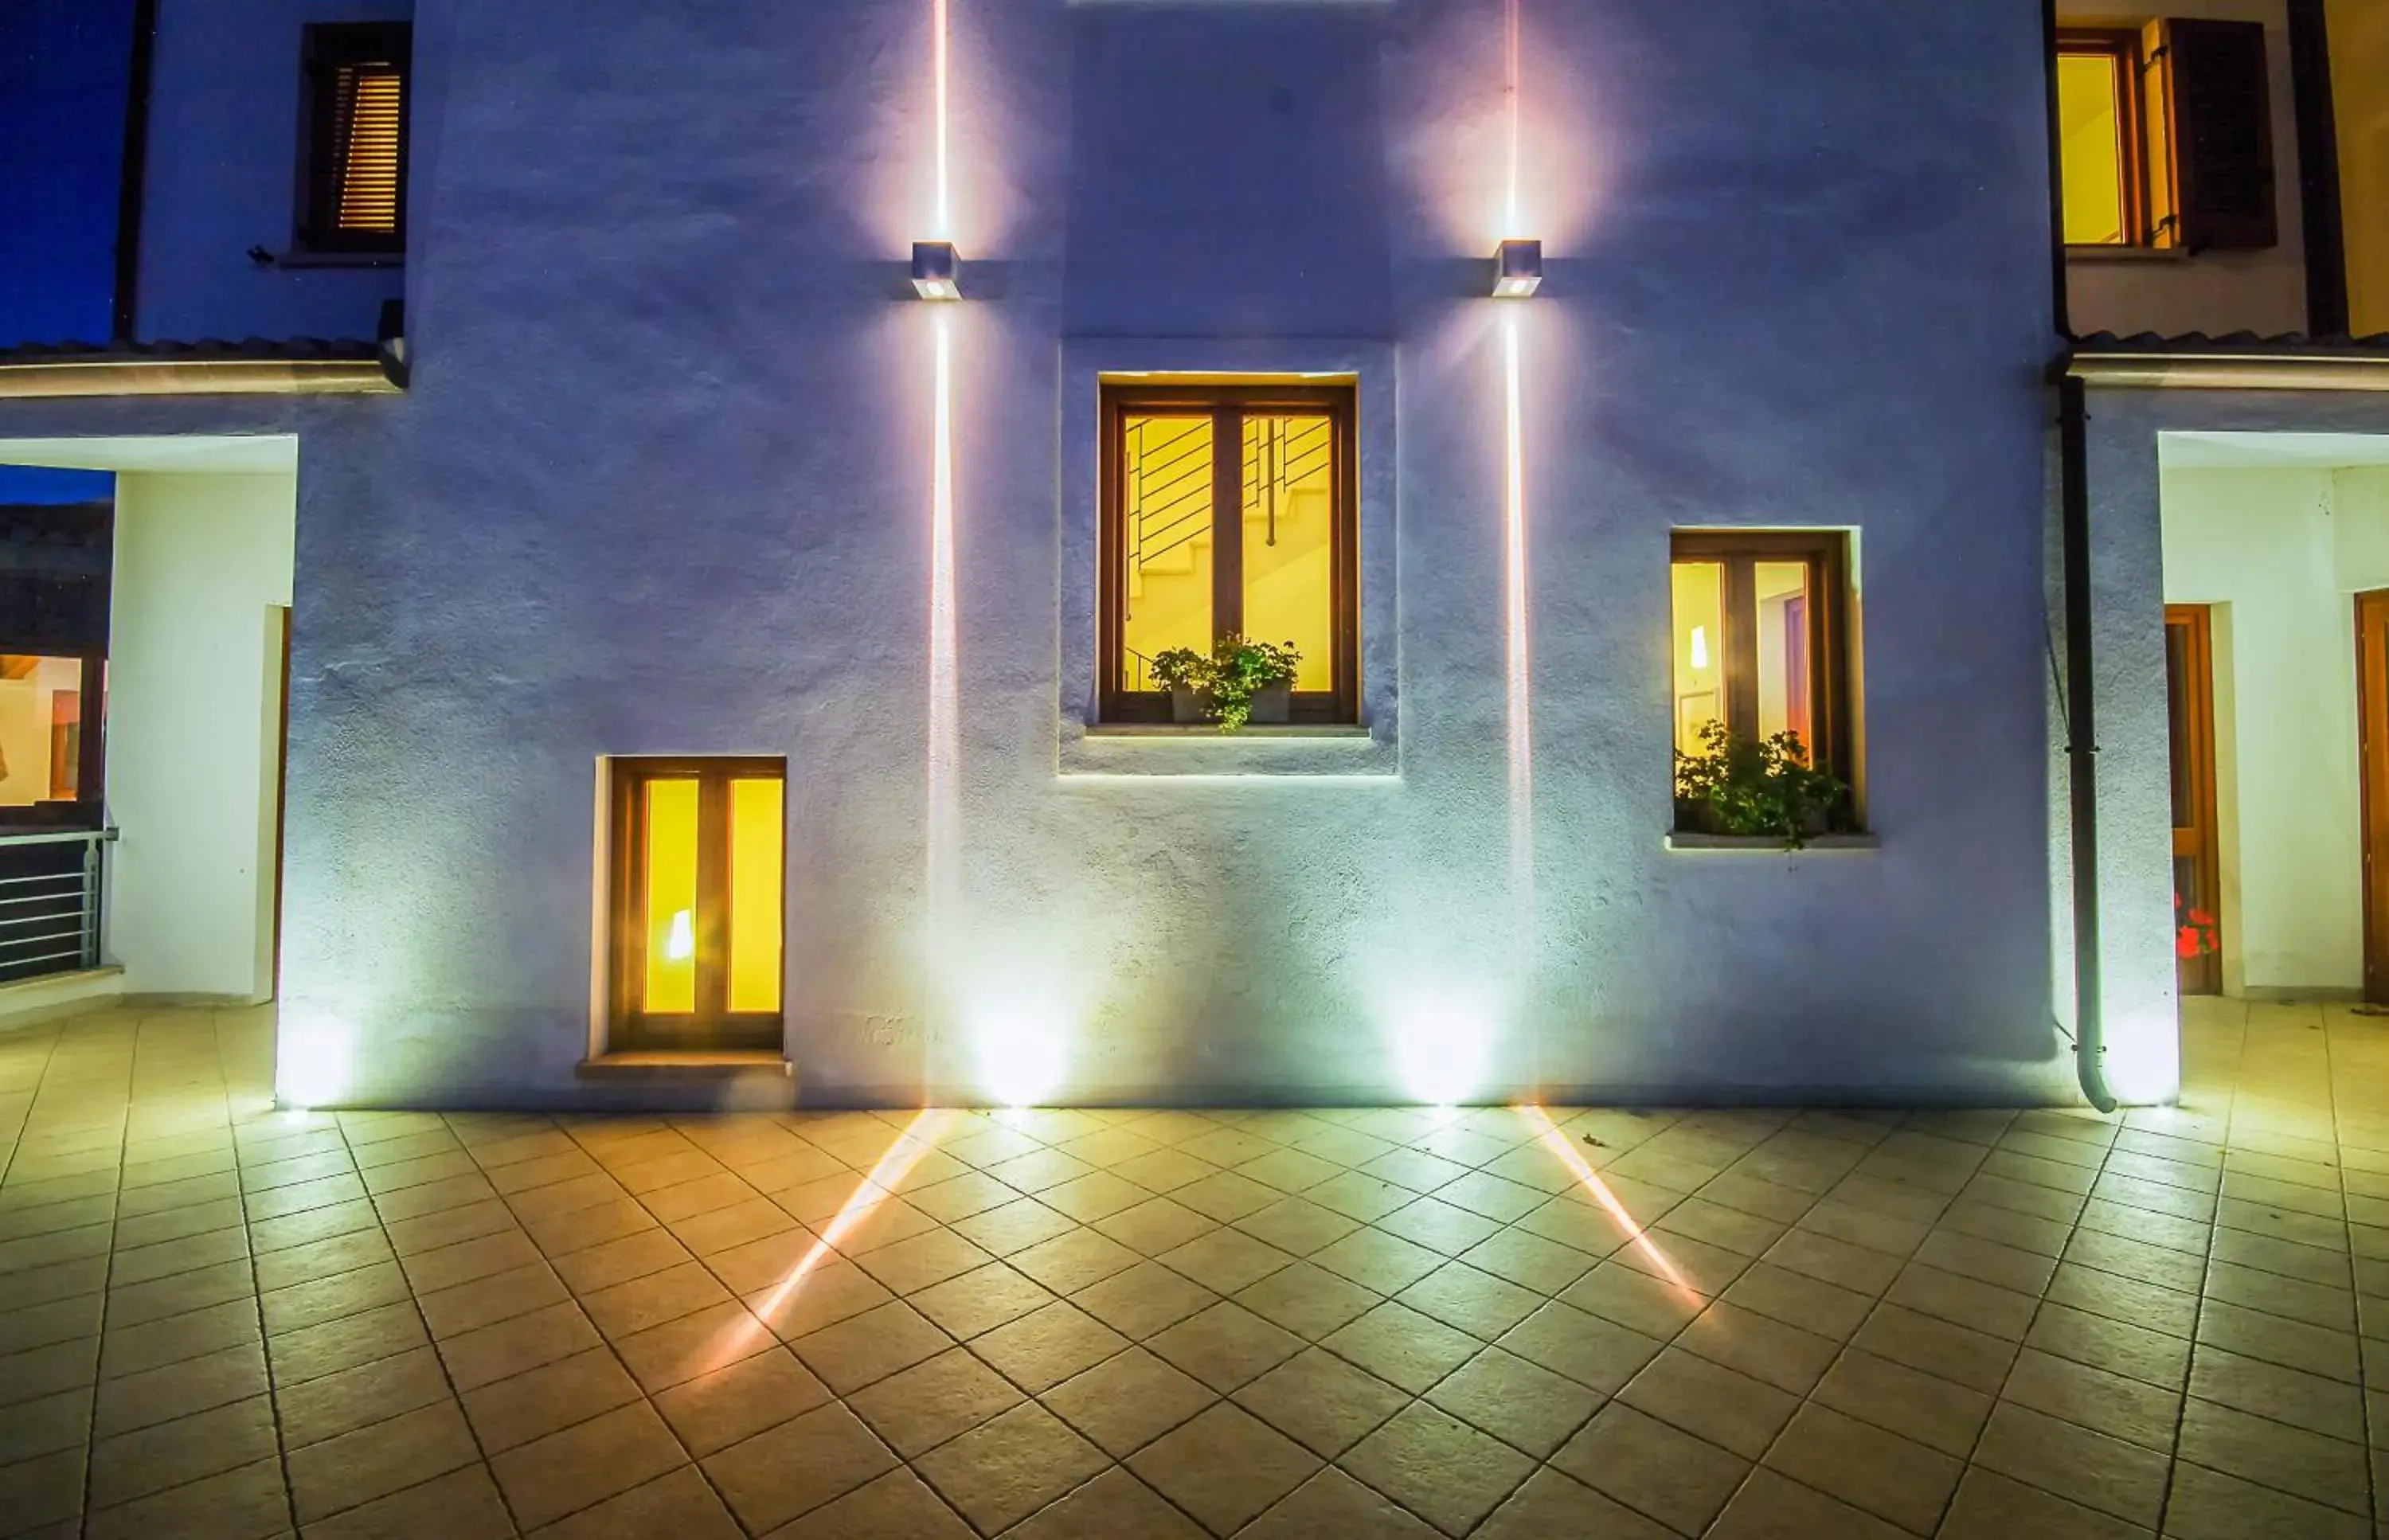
2186	943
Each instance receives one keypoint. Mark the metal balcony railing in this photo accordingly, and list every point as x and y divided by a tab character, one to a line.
50	901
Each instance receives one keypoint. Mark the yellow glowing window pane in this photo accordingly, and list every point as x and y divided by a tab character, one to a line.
754	858
2090	125
40	727
1290	540
1781	592
1699	649
671	899
1165	542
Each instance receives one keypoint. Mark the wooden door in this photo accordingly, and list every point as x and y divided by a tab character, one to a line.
2197	874
2372	746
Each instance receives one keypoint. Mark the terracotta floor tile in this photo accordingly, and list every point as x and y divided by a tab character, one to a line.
1991	1507
1437	1466
918	1408
1770	1506
1127	1401
1322	1402
514	1411
463	1505
249	1500
1551	1506
1712	1402
1592	1351
168	1454
1888	1476
1113	1504
2208	1504
2084	1467
1527	1407
1225	1467
870	1346
895	1506
1005	1470
493	1353
1307	1301
1936	1412
712	1411
1225	1345
377	1460
1655	1470
1047	1346
575	1467
1402	1346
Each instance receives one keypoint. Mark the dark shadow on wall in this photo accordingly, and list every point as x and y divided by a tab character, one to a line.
1227	173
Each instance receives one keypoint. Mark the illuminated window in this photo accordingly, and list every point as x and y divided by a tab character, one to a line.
1761	639
697	852
354	195
48	766
2164	137
1177	574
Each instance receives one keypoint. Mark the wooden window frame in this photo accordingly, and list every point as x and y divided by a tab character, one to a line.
1228	405
1826	553
324	48
2199	842
2125	51
712	1026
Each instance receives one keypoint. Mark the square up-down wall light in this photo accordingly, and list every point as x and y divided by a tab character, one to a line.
1517	269
937	272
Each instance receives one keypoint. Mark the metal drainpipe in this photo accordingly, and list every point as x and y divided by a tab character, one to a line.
2081	719
2082	743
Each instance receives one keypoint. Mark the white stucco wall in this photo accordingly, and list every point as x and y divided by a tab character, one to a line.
661	484
2261	545
193	716
2214	292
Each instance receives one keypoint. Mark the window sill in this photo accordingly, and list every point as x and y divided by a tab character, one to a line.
695	1066
2125	254
1196	731
1770	844
1161	750
339	258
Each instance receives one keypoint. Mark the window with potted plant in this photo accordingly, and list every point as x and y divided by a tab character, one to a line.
1241	681
1755	788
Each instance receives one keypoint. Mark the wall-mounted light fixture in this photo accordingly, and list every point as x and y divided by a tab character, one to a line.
1517	269
937	272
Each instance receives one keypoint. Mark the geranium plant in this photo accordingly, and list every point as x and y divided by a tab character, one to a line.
1754	786
1226	681
2193	931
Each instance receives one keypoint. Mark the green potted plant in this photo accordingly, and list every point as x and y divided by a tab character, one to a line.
1240	681
1753	787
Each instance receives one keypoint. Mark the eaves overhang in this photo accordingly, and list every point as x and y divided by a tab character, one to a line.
2243	361
302	366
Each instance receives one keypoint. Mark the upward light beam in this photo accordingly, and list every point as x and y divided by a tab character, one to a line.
1518	658
944	771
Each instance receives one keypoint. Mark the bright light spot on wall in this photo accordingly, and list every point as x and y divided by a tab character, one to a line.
680	942
2144	1060
312	1054
1442	1036
1700	646
1020	1045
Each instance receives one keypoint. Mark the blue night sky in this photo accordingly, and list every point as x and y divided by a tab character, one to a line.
63	70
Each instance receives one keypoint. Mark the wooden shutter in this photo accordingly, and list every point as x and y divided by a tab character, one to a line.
2223	136
356	152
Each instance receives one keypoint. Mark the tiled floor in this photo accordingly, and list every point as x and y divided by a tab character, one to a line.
216	1319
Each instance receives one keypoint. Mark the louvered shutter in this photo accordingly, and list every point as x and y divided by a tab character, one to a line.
356	184
2223	136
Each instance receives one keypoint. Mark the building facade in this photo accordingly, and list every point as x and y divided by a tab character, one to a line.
668	656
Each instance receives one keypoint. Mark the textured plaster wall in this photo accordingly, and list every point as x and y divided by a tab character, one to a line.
203	564
2128	582
225	116
2214	292
661	486
2260	546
